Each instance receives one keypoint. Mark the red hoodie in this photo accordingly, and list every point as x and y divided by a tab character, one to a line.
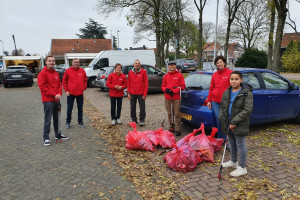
49	84
113	80
220	81
173	81
137	83
75	81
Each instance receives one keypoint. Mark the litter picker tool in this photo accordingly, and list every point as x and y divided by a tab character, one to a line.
220	172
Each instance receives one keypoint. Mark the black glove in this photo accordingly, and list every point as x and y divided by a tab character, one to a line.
170	92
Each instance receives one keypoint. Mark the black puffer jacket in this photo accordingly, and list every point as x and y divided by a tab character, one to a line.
240	112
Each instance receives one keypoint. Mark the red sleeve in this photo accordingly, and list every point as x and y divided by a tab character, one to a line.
211	88
60	87
65	81
145	83
44	86
109	83
85	80
163	85
128	82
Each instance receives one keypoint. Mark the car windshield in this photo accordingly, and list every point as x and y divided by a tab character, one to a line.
16	69
189	61
198	81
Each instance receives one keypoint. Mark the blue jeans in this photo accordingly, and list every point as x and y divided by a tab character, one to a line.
115	101
51	109
216	107
70	102
238	145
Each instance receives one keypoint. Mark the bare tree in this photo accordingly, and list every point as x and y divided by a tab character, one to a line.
208	31
251	23
108	6
290	22
231	7
281	8
272	11
200	7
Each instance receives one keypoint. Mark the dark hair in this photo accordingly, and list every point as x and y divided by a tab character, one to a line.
238	73
118	64
222	58
49	57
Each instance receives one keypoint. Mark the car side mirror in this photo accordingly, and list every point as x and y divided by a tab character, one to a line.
159	74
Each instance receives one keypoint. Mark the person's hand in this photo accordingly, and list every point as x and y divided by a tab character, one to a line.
168	91
232	127
129	96
116	86
57	97
143	97
68	93
209	105
120	87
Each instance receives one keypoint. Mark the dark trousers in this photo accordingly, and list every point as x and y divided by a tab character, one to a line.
133	101
51	109
115	101
70	102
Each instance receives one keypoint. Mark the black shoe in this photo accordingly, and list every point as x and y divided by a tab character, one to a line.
61	137
178	133
81	124
142	123
46	142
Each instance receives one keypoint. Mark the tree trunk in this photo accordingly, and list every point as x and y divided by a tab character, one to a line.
200	51
282	11
157	34
227	39
271	36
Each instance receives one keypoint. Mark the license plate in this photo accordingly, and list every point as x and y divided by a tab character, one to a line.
186	116
16	76
192	68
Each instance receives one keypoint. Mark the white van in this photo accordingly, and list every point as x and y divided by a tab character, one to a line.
111	57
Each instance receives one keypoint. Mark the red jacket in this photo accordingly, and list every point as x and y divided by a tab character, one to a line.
113	80
75	81
137	83
49	84
173	81
220	81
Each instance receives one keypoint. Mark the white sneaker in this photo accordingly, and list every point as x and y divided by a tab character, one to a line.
119	121
230	164
239	172
113	122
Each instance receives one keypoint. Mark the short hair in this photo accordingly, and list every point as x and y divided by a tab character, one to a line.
75	59
118	64
238	73
49	57
137	60
220	57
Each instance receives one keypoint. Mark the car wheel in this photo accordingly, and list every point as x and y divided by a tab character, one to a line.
91	82
125	93
298	118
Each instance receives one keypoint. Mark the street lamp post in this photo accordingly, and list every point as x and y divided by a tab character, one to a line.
215	47
118	38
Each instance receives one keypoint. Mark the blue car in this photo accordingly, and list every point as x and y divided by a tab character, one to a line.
274	97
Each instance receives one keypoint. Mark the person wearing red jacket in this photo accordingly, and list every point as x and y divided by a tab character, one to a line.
74	83
116	82
172	85
137	89
51	91
220	81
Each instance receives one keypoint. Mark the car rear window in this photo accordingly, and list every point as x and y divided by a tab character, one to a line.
198	80
189	61
15	69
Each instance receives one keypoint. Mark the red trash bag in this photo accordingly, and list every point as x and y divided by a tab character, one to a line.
216	142
166	139
184	141
138	140
152	136
202	145
183	159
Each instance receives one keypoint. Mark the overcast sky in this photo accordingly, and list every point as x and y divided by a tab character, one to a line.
35	22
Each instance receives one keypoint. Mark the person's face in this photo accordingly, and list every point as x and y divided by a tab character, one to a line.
172	67
50	62
76	63
235	81
137	65
220	64
118	69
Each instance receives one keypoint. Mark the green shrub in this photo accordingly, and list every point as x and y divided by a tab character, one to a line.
253	58
291	58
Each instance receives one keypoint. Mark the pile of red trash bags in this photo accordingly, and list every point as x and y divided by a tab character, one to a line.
186	153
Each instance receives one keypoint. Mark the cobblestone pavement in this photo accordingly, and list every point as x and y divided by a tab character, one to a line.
74	169
273	157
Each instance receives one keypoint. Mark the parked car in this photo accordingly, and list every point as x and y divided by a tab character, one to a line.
185	65
60	71
155	77
274	97
17	75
